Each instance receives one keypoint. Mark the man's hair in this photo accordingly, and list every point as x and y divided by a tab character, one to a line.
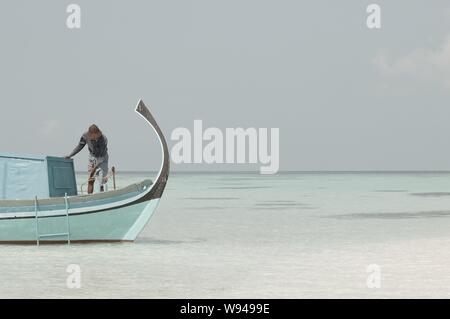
93	129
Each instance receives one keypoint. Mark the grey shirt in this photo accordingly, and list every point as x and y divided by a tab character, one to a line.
97	148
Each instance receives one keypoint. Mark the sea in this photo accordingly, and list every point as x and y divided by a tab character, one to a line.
245	235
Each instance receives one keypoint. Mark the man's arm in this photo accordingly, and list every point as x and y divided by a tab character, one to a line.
79	147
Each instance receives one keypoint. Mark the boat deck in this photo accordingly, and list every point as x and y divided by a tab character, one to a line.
10	206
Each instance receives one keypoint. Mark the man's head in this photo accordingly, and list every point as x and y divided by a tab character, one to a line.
94	132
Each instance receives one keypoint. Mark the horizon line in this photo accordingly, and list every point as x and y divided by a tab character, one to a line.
280	172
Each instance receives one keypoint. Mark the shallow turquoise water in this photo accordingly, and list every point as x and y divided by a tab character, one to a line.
247	235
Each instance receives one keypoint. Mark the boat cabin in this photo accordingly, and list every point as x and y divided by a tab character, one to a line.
27	177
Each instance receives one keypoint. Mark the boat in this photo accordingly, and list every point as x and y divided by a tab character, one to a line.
112	216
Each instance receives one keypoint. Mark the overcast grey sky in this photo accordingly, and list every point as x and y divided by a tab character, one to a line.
344	97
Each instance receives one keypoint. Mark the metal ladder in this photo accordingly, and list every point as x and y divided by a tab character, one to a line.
38	235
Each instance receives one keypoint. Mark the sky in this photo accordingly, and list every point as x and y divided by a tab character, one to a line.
343	96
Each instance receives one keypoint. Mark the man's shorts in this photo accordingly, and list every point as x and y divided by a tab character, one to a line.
102	163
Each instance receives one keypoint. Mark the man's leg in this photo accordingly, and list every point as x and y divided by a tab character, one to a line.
91	178
105	170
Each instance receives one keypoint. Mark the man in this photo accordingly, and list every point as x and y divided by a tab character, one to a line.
98	151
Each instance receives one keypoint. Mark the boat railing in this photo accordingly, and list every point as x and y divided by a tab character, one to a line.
112	174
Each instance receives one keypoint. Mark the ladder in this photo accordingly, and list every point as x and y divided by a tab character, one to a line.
40	236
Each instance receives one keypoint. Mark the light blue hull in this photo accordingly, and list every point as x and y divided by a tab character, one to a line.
117	224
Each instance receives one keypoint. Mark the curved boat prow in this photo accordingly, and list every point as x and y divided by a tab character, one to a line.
163	175
154	194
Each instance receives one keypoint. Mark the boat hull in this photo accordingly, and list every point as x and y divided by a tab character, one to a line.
122	224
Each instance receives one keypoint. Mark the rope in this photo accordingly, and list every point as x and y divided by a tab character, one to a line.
112	173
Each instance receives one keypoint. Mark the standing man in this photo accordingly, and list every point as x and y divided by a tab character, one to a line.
98	151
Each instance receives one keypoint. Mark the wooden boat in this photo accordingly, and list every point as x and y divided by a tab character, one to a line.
113	216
